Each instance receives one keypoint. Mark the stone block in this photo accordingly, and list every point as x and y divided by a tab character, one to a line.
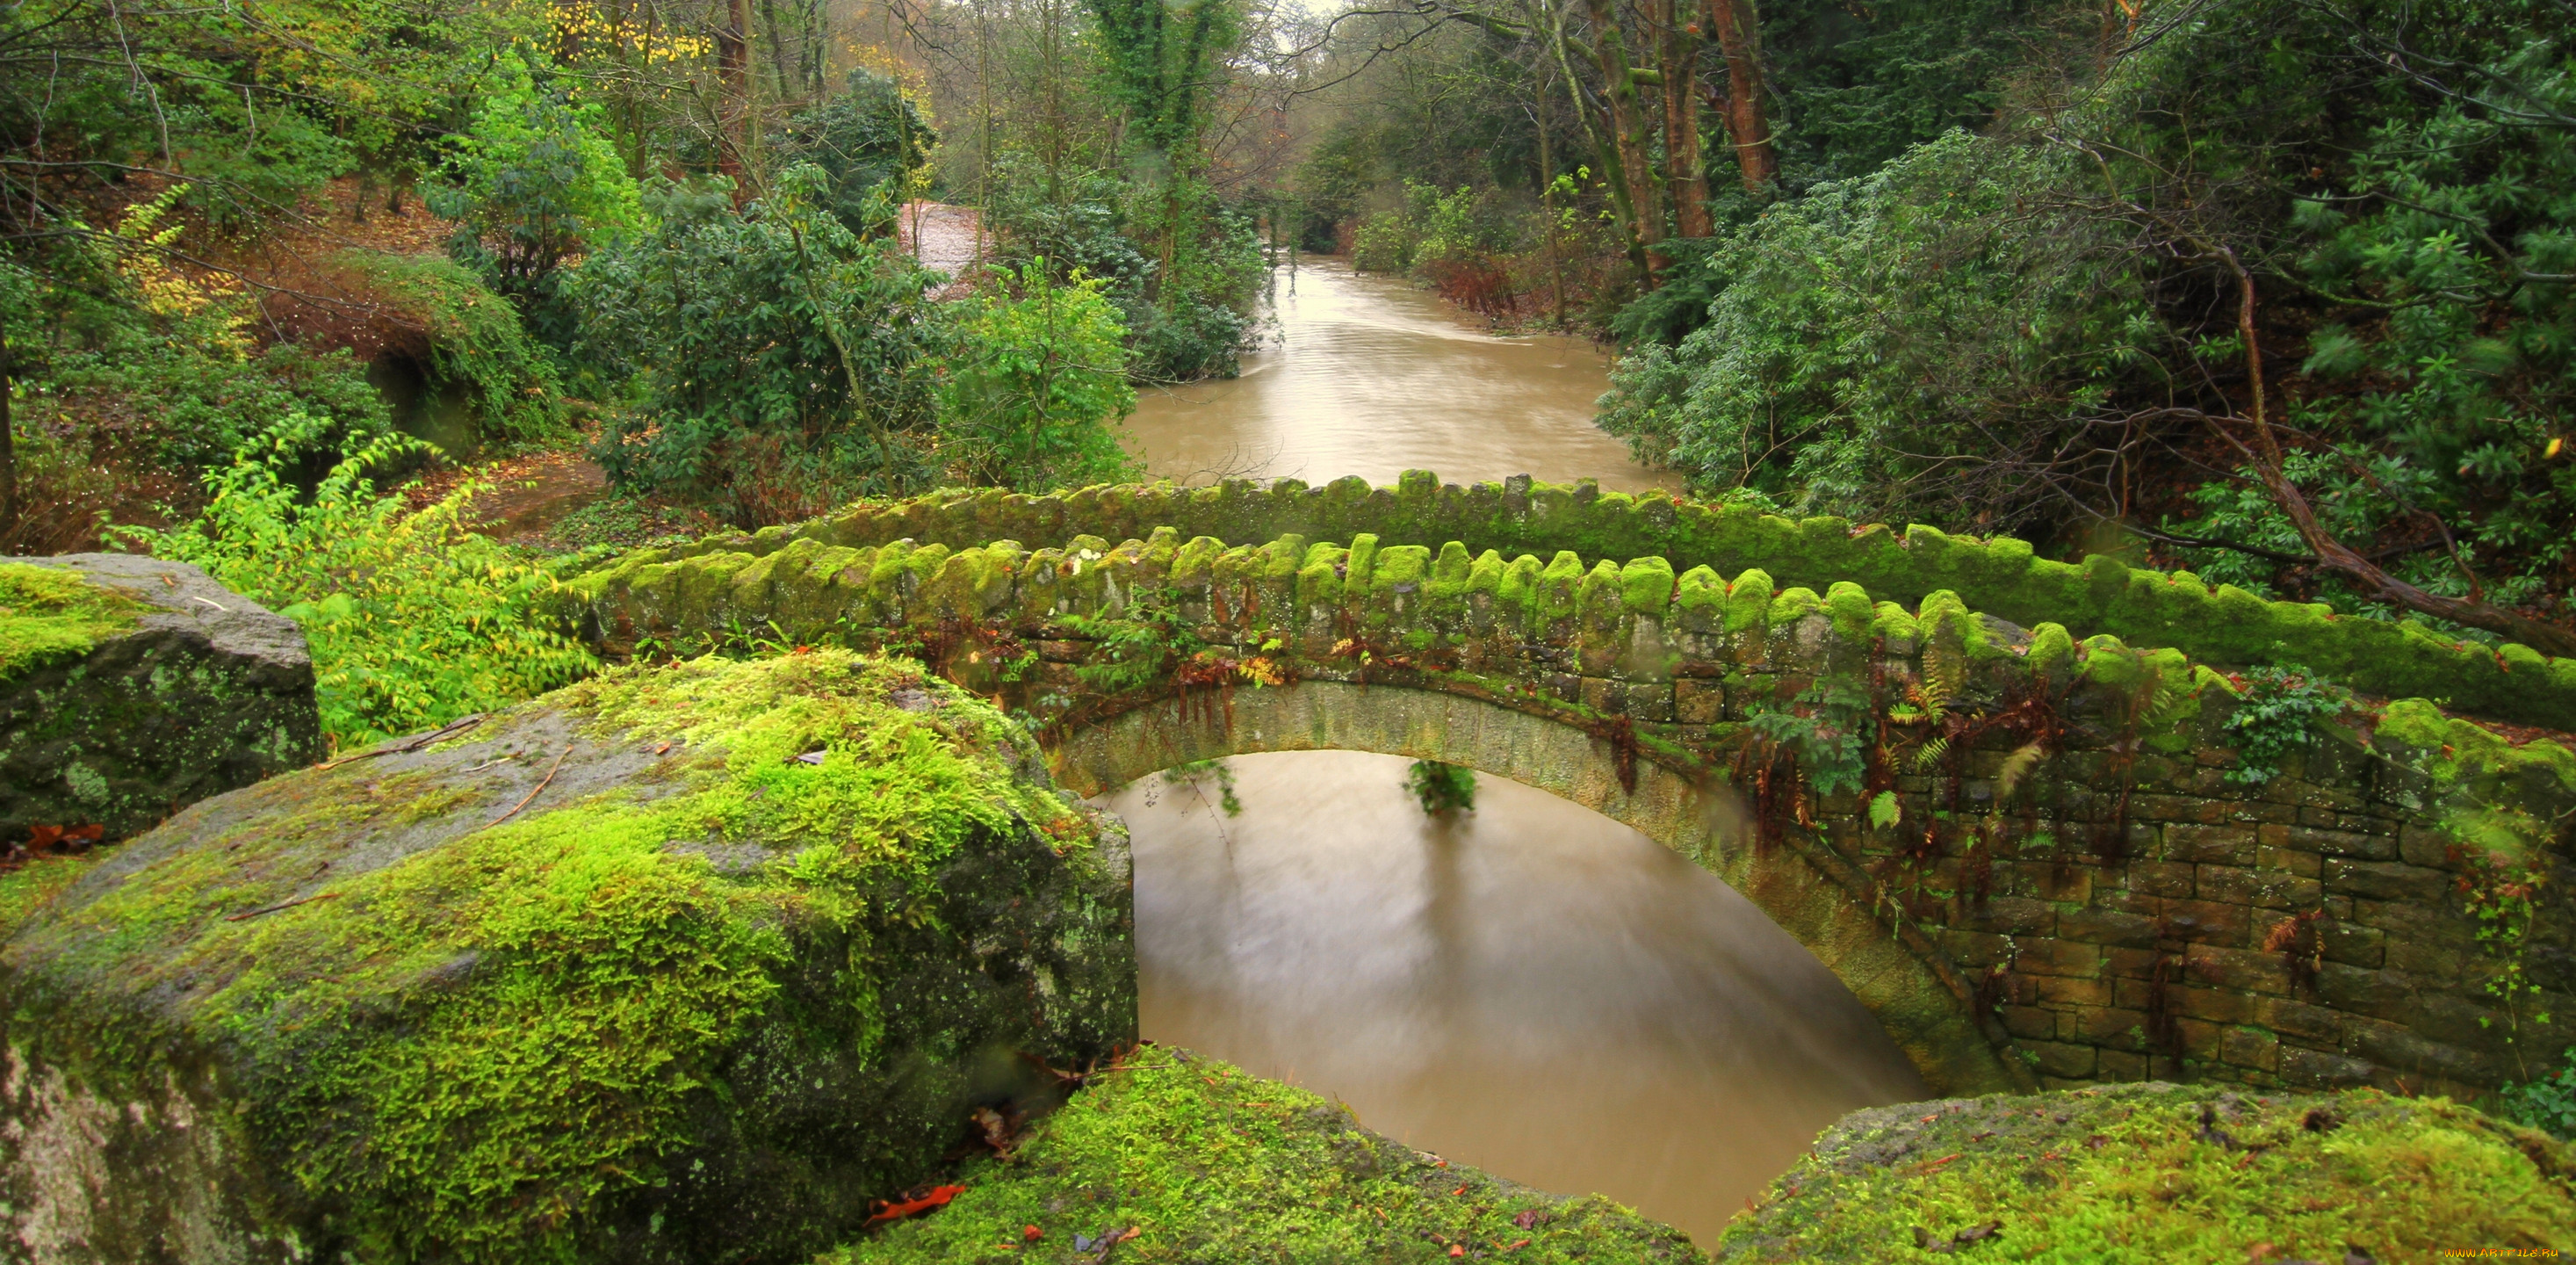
1647	700
2378	994
2317	1069
2268	889
2286	860
2048	955
2159	878
2109	1026
2213	1005
2107	927
2423	845
2211	844
2206	922
2250	1047
2120	1065
2339	843
1698	702
2386	880
2057	1058
2352	944
185	690
2070	990
2029	1022
1602	694
2241	970
2012	916
2315	1025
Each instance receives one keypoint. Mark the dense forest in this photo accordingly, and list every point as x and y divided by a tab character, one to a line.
2274	290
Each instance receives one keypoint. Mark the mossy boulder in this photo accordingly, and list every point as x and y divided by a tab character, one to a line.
132	687
1205	1163
678	964
2157	1172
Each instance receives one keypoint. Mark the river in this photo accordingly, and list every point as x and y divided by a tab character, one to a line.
1529	987
1371	376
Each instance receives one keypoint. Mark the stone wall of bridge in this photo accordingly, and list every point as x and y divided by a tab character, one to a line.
2078	888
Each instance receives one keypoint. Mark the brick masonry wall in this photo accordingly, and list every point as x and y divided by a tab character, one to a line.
2121	909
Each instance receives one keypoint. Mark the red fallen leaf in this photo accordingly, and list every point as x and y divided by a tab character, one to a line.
1517	1245
1526	1218
937	1198
1033	1234
1460	1191
1457	1249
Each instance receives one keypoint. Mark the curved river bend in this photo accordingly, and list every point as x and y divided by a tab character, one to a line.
1529	987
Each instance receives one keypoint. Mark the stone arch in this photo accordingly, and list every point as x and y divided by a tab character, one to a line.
1927	1009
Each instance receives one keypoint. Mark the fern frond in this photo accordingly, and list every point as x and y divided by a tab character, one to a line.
2016	767
1930	755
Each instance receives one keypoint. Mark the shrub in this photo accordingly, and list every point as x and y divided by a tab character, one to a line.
467	334
2547	1104
779	359
2277	716
535	182
1034	384
1441	788
413	620
872	144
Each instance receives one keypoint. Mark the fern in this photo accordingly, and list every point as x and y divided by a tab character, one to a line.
2016	767
1930	756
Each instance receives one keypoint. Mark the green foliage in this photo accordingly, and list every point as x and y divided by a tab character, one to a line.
1210	1164
2547	1104
1035	383
1828	727
2146	1174
474	337
1136	650
535	182
413	620
1162	59
1442	789
780	359
2277	713
1884	811
51	613
871	142
154	365
1219	771
1382	243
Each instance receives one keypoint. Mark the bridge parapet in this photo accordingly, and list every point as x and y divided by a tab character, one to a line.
2221	625
2055	831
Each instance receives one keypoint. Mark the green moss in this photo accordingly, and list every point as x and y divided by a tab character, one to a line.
470	1047
33	885
1212	1165
48	614
2158	1173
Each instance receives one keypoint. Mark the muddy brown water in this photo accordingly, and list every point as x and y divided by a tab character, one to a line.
1371	376
1531	987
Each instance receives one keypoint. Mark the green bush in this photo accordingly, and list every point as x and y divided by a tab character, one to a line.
1382	243
781	362
873	144
1034	384
1441	788
413	620
2547	1104
535	181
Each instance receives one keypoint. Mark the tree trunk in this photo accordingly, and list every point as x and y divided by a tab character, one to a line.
8	451
1739	37
1614	176
733	106
1678	47
1628	134
2341	559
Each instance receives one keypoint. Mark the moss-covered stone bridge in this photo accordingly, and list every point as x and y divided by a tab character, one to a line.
1996	794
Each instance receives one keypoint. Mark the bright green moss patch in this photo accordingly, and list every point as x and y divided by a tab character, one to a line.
31	886
1210	1164
2159	1173
48	614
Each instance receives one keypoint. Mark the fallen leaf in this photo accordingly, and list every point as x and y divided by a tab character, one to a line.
1528	1217
810	757
1032	1234
1457	1249
937	1198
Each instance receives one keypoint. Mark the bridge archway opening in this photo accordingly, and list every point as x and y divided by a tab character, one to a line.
1529	987
1929	1014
